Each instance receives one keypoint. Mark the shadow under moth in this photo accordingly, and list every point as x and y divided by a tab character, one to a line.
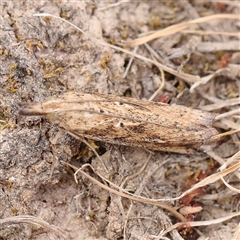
129	122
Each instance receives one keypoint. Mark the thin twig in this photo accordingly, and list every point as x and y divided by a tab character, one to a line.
138	199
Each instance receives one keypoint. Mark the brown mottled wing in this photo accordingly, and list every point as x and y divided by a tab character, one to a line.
132	122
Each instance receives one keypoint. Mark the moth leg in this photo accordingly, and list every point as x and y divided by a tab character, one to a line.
89	145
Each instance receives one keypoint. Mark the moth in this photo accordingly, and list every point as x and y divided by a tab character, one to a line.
129	122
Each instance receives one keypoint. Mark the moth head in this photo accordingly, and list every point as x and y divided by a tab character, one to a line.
30	109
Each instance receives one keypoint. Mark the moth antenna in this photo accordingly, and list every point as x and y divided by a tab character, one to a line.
30	109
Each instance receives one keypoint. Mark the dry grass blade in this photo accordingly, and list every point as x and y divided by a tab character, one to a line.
227	114
221	104
163	80
137	173
205	47
234	158
35	221
130	62
201	223
237	233
134	198
212	178
208	180
230	124
225	134
207	78
187	77
229	186
177	28
113	5
232	34
196	80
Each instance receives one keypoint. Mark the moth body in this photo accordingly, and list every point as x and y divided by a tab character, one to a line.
130	122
